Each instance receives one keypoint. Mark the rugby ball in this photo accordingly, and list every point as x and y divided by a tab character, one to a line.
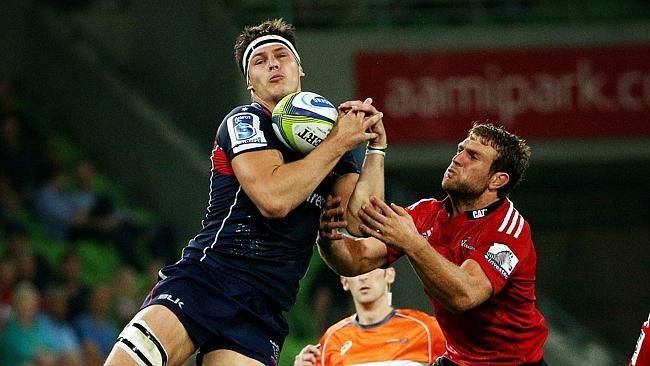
302	120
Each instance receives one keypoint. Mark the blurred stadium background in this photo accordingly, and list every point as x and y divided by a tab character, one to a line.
138	87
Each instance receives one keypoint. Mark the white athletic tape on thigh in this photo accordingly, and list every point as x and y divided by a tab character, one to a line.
141	344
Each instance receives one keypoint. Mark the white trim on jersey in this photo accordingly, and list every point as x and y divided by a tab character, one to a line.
512	221
426	329
411	207
322	359
393	363
223	223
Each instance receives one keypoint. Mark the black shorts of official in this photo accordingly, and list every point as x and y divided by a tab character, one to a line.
220	311
443	361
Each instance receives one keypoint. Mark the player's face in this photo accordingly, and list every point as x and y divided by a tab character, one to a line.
368	287
469	174
273	72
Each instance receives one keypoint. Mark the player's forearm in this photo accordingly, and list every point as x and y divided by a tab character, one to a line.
370	183
349	257
291	184
444	280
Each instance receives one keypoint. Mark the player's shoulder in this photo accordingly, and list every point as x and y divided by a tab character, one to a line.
338	329
341	324
414	314
508	222
247	112
426	204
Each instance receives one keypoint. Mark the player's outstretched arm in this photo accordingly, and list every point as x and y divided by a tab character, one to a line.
347	256
458	288
277	187
371	179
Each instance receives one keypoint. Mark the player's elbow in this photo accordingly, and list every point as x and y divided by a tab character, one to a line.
274	209
461	303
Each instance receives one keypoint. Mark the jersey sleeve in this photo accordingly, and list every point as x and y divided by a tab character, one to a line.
347	164
419	212
438	342
246	129
330	349
502	255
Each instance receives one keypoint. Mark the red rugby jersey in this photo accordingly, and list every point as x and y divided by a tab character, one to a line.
507	329
641	355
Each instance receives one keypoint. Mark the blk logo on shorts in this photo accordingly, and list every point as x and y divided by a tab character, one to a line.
169	297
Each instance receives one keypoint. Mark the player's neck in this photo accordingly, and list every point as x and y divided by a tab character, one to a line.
268	104
368	314
464	204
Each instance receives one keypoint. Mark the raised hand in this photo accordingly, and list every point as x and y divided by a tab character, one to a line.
353	127
331	219
388	223
307	356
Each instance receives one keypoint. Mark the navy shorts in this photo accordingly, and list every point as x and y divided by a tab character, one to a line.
220	311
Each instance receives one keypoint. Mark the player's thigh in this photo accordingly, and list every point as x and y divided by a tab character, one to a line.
167	329
226	357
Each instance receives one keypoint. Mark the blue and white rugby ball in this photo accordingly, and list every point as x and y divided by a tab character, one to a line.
302	120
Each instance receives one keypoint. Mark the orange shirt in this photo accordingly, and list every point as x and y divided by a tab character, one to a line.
405	337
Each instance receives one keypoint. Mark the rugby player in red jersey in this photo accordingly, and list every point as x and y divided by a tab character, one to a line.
472	250
641	355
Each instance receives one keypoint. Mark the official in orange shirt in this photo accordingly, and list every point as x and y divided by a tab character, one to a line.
377	334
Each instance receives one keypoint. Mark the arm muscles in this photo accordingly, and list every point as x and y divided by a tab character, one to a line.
371	183
457	288
277	188
350	257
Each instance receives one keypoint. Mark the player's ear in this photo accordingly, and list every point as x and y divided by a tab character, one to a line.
390	275
498	180
344	283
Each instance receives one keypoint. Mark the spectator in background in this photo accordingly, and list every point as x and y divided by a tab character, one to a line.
20	154
55	207
96	328
69	277
24	341
377	333
53	319
128	294
7	283
29	267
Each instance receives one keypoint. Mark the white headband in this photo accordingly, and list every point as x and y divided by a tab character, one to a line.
265	41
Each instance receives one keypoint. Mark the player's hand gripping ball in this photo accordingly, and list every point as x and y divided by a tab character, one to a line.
302	120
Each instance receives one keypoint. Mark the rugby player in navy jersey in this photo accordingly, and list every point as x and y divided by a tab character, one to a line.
226	296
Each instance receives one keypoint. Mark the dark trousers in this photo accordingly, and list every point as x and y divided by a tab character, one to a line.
441	361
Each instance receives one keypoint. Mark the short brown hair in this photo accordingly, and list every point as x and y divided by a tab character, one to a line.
512	153
272	26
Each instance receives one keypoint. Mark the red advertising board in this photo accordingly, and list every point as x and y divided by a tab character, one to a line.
540	94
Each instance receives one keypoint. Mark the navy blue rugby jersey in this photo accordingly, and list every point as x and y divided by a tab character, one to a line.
272	255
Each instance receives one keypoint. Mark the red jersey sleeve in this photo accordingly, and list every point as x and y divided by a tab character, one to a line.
506	251
420	212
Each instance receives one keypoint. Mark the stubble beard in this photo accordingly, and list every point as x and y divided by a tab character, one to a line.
462	191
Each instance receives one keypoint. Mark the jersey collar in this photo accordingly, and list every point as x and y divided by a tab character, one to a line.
355	321
481	212
262	108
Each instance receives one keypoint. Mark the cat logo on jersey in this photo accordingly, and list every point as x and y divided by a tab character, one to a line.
502	258
346	347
